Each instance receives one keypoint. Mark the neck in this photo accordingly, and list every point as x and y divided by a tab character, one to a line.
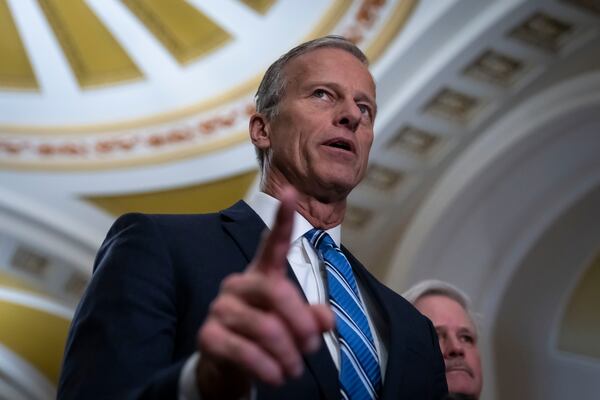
321	213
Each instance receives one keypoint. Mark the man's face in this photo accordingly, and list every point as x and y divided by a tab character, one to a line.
458	342
321	137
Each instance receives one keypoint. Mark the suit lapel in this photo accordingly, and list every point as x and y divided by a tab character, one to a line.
396	343
245	227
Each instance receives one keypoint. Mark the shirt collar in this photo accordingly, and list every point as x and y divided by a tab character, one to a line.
266	207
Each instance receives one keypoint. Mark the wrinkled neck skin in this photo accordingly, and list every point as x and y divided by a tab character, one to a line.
323	212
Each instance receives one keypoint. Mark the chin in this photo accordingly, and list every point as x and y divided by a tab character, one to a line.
462	386
336	185
342	175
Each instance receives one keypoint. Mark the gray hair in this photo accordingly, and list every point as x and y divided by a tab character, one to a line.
433	287
272	87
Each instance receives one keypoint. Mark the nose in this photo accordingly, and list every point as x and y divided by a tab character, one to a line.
349	115
453	348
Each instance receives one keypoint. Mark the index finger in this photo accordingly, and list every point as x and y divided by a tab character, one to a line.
272	253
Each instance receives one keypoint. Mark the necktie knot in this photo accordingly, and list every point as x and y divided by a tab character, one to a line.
320	240
335	261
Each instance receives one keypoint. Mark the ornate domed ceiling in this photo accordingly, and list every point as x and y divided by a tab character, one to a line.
110	106
110	84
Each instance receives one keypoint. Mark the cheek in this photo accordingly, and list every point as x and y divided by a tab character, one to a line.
473	359
365	144
286	141
370	138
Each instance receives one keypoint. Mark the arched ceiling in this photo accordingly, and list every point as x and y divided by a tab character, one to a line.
444	71
138	82
109	106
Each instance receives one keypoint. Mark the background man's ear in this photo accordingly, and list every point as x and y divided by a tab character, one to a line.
260	133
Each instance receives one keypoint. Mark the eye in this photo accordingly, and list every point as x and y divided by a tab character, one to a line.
320	93
364	109
468	339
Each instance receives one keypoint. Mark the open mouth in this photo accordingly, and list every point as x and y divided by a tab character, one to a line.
341	144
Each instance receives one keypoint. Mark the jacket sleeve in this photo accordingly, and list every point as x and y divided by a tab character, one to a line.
121	339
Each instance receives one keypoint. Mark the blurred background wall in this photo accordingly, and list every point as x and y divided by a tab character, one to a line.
485	170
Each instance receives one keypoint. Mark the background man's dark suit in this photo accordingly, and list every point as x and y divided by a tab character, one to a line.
155	277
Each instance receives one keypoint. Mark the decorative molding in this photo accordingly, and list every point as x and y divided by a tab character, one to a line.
208	126
414	140
543	31
213	131
15	69
24	378
496	67
453	105
186	32
94	55
260	6
382	178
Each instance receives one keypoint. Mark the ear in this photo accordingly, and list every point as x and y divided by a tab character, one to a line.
260	133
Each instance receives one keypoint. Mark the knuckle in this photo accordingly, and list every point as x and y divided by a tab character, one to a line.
248	355
220	306
271	329
306	325
231	282
208	334
305	331
282	291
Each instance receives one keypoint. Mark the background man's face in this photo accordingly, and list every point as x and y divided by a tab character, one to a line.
321	138
458	342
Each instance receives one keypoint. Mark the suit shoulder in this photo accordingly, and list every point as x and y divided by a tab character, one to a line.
162	222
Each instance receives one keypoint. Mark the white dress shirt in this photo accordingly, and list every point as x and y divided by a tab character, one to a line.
312	276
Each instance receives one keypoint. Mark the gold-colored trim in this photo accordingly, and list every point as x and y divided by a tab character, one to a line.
205	197
154	159
391	28
35	335
94	55
184	31
260	6
237	91
579	328
182	113
399	17
14	282
330	20
15	68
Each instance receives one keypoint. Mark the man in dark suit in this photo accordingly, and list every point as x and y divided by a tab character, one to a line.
449	309
187	307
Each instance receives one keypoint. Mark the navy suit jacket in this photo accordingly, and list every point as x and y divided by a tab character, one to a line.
154	279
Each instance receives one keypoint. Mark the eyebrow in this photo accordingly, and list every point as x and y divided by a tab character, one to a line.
468	330
361	96
462	329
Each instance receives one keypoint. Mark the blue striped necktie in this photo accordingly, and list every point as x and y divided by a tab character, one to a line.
360	376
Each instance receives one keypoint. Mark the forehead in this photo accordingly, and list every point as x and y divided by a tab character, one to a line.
443	310
329	64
